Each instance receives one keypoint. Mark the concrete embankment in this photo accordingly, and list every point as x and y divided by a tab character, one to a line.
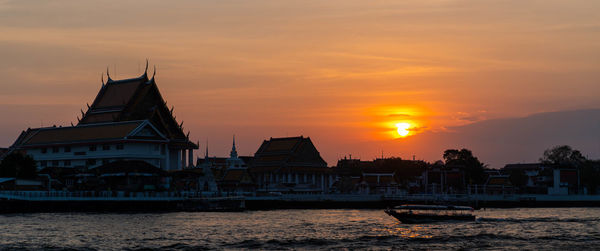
26	201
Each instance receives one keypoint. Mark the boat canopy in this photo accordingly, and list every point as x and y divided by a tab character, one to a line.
433	207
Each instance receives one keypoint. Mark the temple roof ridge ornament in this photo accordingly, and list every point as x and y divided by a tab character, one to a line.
146	69
153	74
108	76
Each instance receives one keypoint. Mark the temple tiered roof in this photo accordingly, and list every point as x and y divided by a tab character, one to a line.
287	154
136	99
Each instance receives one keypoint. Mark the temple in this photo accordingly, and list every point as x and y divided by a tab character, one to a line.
291	165
128	120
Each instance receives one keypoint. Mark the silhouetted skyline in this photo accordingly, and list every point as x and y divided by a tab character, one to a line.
342	74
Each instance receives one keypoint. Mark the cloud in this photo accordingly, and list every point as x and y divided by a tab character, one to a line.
400	116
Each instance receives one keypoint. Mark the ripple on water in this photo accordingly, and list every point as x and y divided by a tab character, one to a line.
570	228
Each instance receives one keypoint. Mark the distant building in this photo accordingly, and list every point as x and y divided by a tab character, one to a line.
389	176
497	184
444	179
379	182
236	179
290	165
531	178
128	120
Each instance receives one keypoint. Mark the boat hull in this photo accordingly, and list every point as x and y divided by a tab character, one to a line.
410	218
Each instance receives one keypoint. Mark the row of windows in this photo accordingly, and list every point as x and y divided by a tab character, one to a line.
92	148
67	163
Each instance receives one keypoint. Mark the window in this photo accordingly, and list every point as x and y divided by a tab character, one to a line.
67	162
156	147
55	149
67	149
55	163
104	161
106	147
162	149
92	148
44	163
120	147
91	162
44	150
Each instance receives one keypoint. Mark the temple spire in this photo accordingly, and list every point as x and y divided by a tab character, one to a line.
206	154
233	153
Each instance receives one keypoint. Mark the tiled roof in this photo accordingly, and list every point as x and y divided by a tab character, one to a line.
52	135
282	144
528	166
136	99
499	181
292	151
117	93
101	117
272	158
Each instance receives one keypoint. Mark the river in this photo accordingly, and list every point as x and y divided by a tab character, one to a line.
495	229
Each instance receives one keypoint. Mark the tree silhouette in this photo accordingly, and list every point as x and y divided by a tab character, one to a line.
563	156
473	168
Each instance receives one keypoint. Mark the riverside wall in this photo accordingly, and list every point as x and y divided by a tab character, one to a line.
39	201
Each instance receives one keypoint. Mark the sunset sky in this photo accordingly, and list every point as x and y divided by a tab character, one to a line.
344	73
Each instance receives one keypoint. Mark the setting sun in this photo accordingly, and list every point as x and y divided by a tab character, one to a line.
403	129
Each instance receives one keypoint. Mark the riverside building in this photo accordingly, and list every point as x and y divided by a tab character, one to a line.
128	120
290	165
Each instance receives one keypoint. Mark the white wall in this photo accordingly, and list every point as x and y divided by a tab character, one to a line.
80	154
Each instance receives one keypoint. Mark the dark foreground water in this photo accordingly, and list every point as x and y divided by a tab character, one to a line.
496	229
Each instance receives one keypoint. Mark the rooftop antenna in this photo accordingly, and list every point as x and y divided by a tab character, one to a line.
154	73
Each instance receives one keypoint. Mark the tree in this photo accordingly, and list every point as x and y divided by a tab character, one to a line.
473	168
18	165
563	156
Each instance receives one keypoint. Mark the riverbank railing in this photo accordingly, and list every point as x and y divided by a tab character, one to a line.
111	195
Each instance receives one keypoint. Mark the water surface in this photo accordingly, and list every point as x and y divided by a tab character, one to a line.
495	229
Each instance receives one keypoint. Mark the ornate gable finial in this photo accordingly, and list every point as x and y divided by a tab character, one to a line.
146	70
108	76
102	79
